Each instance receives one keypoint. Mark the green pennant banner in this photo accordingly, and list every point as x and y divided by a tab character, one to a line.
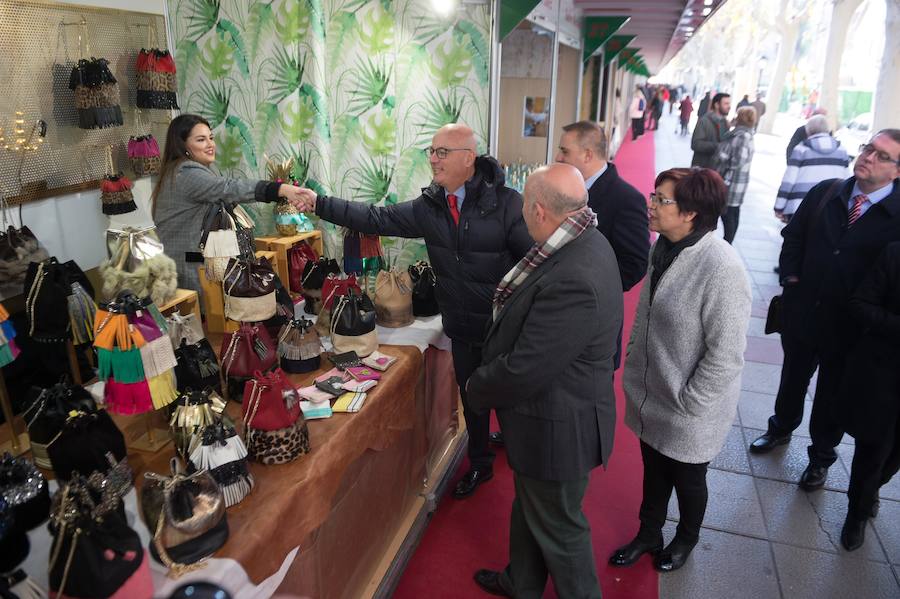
614	45
625	57
513	12
599	29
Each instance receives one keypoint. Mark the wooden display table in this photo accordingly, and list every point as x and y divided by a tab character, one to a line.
214	298
281	245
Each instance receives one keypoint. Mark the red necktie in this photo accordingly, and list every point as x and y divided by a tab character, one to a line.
856	211
454	210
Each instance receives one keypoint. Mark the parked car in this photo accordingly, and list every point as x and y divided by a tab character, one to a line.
855	133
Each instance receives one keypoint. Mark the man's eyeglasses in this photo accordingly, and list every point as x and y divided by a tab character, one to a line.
866	149
444	152
658	200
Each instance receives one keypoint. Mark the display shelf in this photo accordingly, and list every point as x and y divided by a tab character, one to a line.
281	245
185	301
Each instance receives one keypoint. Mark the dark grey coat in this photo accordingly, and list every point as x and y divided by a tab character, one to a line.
548	363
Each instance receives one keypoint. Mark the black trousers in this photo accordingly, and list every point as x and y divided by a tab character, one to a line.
549	535
800	361
730	219
637	128
874	464
661	475
466	358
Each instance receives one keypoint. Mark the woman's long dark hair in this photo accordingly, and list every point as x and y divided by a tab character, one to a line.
175	151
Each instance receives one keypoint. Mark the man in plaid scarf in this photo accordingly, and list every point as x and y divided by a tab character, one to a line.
547	369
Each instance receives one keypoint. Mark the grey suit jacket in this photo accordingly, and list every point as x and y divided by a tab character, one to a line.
548	363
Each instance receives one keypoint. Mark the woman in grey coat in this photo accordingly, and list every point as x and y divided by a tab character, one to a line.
187	186
682	374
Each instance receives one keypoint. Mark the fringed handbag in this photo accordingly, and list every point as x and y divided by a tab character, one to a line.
96	94
393	299
143	153
59	302
193	411
219	450
299	347
186	516
198	367
363	254
424	289
227	233
8	349
116	196
184	327
156	82
94	552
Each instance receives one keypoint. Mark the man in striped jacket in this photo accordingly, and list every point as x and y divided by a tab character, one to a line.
818	158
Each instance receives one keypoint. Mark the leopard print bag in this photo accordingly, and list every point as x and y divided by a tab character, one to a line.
280	446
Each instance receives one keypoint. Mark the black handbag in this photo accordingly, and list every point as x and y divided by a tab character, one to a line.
48	285
197	366
314	275
47	415
94	551
14	545
25	490
774	316
83	445
424	295
353	324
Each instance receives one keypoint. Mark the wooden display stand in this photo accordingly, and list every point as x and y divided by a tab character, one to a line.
281	245
186	301
214	298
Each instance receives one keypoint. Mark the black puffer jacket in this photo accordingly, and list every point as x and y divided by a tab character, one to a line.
468	260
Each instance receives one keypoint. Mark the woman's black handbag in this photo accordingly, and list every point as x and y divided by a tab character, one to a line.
48	285
197	366
424	295
353	324
773	316
314	275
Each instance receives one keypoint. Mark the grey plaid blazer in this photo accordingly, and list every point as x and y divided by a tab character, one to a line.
182	203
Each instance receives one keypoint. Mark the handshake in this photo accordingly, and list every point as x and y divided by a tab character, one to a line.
301	198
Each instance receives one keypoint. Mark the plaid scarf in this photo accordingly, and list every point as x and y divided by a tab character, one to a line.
570	229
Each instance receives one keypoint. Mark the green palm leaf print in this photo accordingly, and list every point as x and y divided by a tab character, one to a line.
203	17
213	102
228	32
371	85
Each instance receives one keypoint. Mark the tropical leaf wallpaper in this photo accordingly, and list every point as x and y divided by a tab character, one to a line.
353	90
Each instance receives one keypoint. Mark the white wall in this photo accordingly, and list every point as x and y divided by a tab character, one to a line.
72	227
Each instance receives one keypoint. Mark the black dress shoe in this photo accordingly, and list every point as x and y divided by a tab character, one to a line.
496	438
673	556
489	581
767	442
474	477
853	535
632	552
813	478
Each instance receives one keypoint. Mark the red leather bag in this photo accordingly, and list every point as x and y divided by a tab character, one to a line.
335	286
298	256
248	350
270	403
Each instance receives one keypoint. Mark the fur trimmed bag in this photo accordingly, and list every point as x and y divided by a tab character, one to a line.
136	262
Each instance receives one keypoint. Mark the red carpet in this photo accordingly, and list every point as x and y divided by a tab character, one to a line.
464	536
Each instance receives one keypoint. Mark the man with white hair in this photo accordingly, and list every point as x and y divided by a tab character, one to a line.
812	161
548	372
